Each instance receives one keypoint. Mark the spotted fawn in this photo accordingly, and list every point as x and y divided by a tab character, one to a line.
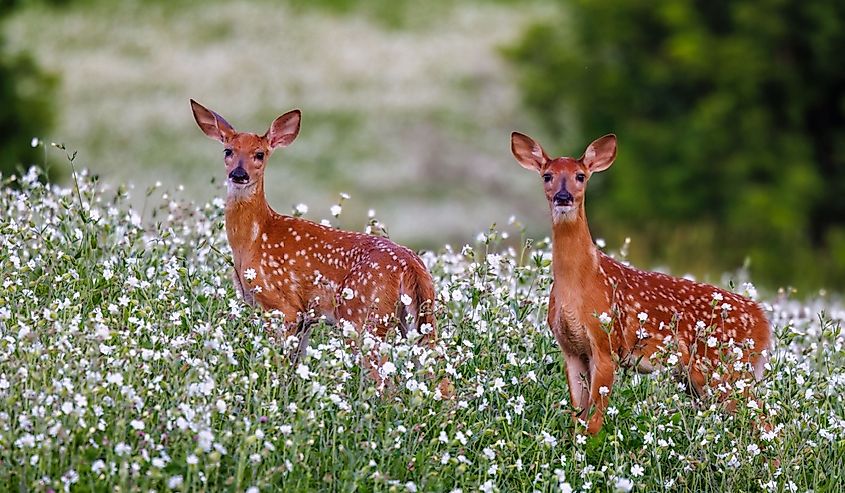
308	271
604	313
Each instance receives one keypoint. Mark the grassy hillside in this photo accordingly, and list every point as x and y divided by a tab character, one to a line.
128	364
413	122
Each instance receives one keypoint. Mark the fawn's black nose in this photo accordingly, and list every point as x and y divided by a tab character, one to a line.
239	176
563	198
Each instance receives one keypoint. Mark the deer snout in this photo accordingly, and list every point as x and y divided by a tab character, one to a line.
563	198
239	176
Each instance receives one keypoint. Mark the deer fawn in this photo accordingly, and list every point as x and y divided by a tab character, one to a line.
604	313
306	270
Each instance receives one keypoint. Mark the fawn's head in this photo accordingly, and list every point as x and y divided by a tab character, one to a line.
245	153
564	179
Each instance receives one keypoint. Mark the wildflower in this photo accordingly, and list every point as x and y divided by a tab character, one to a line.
174	482
122	449
302	209
303	372
604	390
623	485
549	440
336	210
604	318
406	300
249	274
637	470
347	293
642	316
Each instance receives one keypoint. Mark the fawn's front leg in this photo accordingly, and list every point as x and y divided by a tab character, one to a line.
578	378
602	372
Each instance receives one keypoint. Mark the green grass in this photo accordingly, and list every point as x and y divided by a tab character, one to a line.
422	111
128	364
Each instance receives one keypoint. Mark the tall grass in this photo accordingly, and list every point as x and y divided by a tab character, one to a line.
127	363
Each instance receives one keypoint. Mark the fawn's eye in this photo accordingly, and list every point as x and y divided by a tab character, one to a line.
581	177
259	156
547	177
227	152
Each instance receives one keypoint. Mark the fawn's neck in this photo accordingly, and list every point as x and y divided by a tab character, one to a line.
247	213
575	259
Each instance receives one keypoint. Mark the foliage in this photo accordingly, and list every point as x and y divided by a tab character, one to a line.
126	362
731	118
26	104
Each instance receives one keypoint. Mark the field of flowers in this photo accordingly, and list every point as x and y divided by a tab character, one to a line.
128	364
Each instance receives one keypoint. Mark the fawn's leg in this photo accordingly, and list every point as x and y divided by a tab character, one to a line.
602	372
578	379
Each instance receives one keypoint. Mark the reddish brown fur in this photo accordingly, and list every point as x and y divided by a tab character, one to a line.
302	268
588	283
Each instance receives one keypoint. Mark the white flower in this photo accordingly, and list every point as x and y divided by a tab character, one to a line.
406	300
411	486
549	440
303	372
717	296
286	429
388	368
487	487
252	489
174	482
604	318
642	316
192	460
302	208
749	290
98	466
122	449
249	274
34	142
637	470
136	424
623	485
712	341
336	210
115	378
604	390
348	294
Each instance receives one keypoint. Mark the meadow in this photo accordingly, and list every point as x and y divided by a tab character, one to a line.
127	363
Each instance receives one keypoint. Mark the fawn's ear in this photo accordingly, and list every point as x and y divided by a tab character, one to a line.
600	154
528	153
284	129
211	123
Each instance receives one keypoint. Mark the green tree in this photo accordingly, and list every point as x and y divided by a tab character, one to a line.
26	109
731	120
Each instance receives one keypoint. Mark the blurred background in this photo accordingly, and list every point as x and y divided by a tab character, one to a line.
730	114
